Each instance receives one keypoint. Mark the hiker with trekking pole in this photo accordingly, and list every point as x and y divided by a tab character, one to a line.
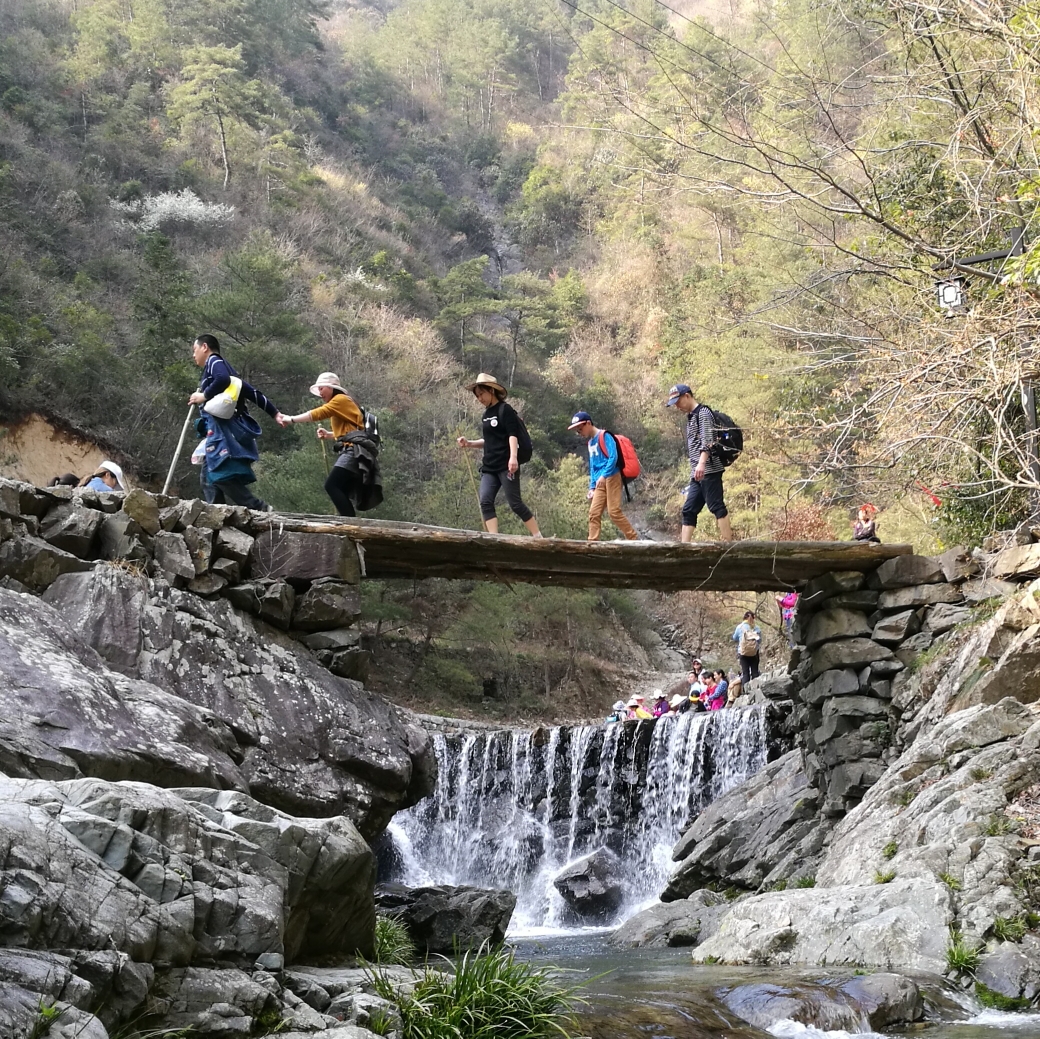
354	481
228	449
507	445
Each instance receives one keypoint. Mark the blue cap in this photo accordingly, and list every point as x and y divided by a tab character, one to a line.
579	418
676	392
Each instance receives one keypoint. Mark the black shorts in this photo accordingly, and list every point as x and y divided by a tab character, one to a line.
708	491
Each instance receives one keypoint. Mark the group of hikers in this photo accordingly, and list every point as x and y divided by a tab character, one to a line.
227	450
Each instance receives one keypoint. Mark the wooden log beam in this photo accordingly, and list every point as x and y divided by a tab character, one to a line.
412	550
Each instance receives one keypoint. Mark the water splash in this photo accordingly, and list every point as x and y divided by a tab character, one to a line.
512	808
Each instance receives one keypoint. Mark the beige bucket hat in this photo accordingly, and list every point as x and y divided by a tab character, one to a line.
484	379
326	379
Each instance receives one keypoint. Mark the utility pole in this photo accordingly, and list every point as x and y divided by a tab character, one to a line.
952	297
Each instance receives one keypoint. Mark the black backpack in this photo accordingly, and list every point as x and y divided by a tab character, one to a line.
524	445
729	439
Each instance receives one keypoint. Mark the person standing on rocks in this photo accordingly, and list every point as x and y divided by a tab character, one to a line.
748	637
346	482
500	467
705	468
230	444
605	482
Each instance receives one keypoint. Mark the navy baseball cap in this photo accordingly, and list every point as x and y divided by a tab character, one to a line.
676	392
579	418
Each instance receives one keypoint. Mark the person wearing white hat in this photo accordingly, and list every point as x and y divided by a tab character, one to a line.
500	467
344	483
107	477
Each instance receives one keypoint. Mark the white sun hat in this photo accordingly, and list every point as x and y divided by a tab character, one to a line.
330	379
114	469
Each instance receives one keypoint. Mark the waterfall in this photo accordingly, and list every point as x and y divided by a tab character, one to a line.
511	808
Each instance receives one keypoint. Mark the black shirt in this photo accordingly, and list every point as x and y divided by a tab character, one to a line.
499	424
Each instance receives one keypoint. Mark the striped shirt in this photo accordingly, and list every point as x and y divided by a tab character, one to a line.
700	436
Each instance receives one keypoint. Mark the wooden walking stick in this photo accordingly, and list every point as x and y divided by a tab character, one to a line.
180	447
476	493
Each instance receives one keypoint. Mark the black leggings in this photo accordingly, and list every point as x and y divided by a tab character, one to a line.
341	486
489	487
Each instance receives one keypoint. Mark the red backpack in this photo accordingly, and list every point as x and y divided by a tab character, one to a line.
629	467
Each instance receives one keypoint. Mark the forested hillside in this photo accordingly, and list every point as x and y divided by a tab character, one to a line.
590	199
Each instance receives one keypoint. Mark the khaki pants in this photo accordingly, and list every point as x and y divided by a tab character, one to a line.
607	496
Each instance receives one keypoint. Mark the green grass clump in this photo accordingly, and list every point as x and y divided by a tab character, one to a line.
809	881
904	797
950	881
1009	928
885	877
269	1022
489	996
393	942
979	774
710	960
889	850
779	885
995	1001
961	958
999	825
47	1015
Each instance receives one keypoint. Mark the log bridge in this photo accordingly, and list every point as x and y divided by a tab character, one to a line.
411	550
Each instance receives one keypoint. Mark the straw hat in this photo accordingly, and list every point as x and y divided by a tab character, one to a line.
326	379
483	379
110	467
676	700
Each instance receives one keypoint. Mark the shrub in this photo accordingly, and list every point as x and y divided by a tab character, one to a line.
961	958
999	826
889	850
1009	928
393	942
489	996
950	881
809	881
884	877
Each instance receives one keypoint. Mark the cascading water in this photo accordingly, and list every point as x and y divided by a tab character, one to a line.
512	808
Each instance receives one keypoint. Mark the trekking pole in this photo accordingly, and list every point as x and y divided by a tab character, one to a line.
180	447
325	455
476	493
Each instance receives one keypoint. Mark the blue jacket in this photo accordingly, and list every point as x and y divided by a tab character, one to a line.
602	463
216	377
230	446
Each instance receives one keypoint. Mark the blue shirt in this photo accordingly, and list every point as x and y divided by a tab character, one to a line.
97	484
602	463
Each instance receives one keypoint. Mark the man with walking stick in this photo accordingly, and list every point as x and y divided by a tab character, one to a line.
228	429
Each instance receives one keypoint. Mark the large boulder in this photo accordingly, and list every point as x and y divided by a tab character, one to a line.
686	922
763	830
131	868
591	886
901	924
308	742
444	918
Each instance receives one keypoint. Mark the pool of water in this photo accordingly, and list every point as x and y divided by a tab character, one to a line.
662	994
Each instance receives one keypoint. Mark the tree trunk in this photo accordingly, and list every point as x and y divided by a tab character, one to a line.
223	150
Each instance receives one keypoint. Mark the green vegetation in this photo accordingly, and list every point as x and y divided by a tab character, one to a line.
962	958
710	961
995	1001
999	826
904	797
393	942
980	774
47	1015
489	994
889	850
884	876
269	1022
950	881
778	885
808	881
1010	928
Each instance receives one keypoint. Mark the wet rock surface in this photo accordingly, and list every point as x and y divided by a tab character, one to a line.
591	886
444	918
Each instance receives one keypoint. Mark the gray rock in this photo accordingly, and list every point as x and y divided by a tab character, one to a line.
830	624
919	595
863	601
234	544
976	590
775	685
443	918
228	569
212	1002
958	564
907	570
820	588
35	563
328	603
304	557
902	924
914	646
765	828
200	548
847	653
1012	970
685	922
143	509
207	585
173	557
893	629
1019	561
72	527
347	663
336	638
843	682
120	539
942	617
591	885
273	601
